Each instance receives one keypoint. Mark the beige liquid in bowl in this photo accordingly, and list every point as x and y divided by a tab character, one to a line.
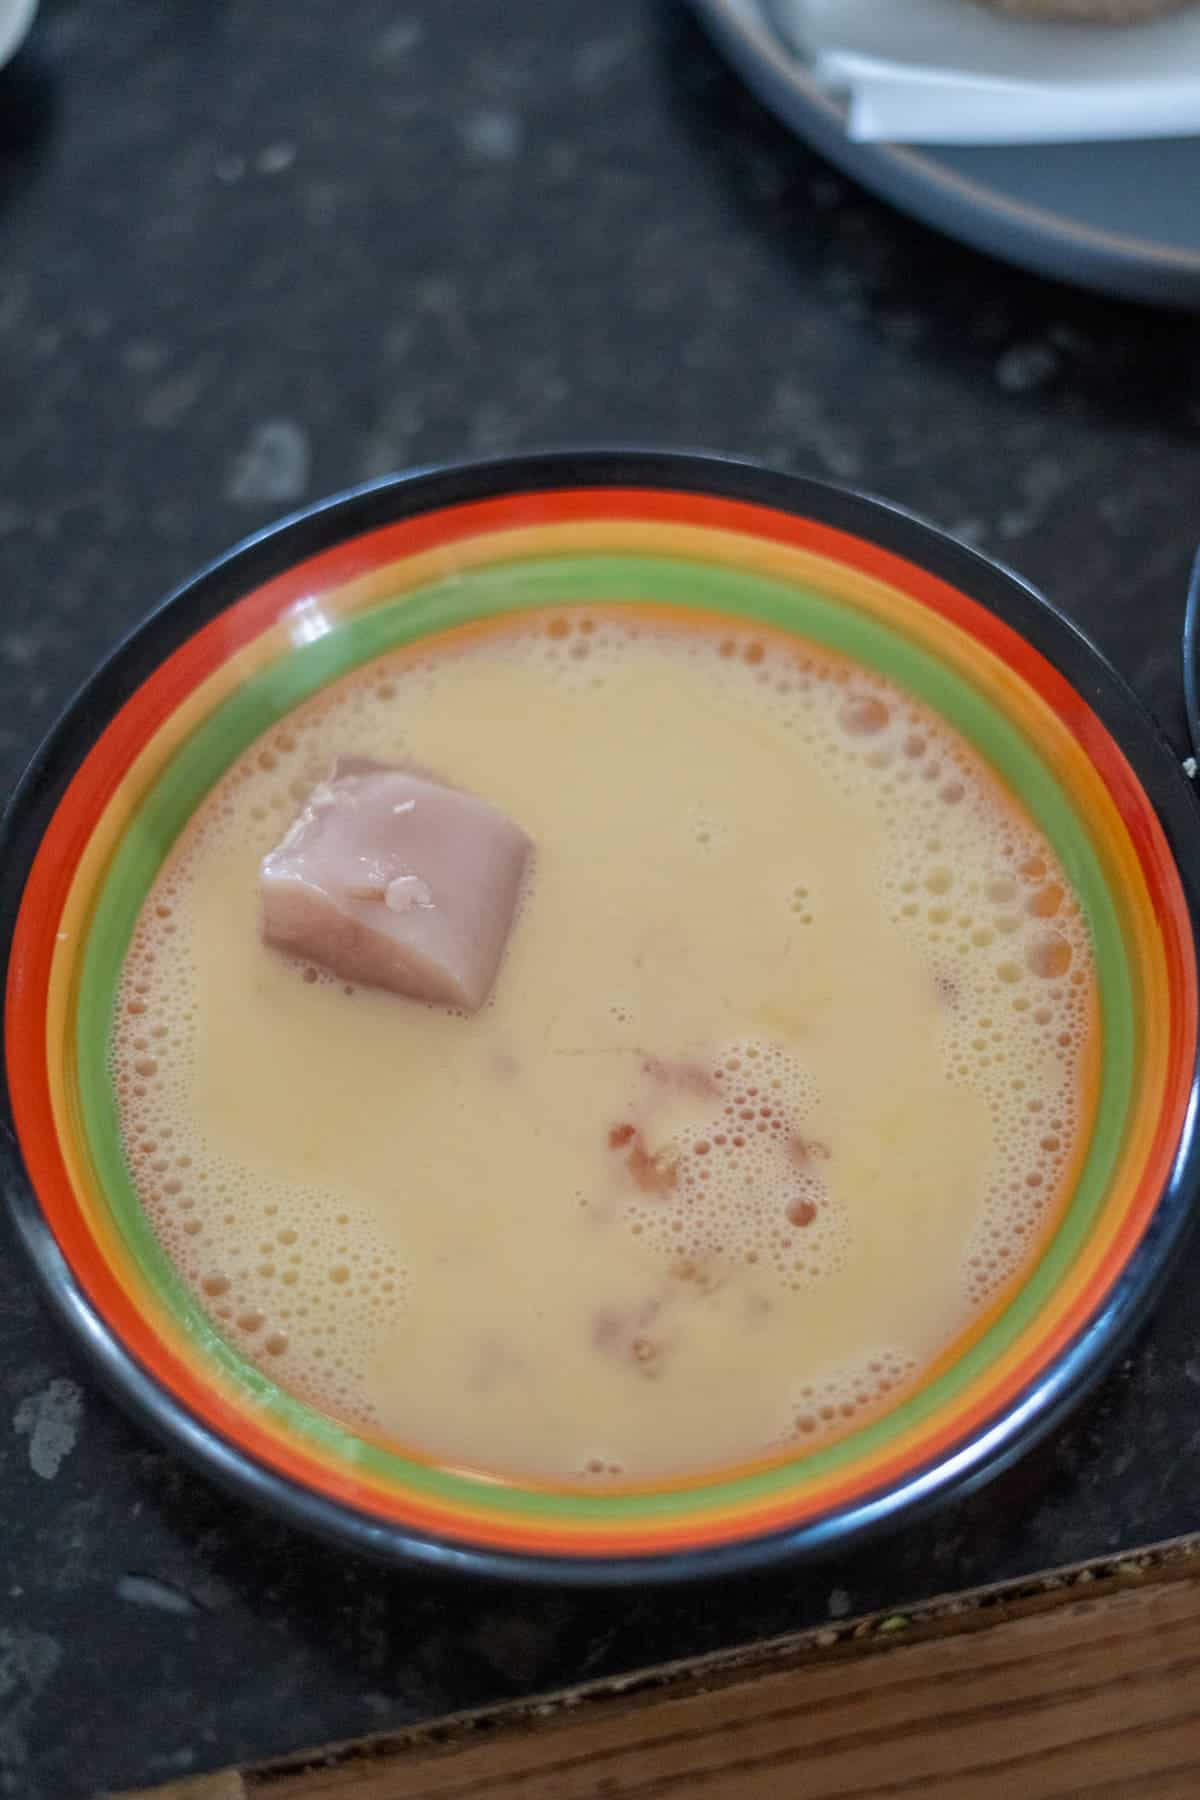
779	1087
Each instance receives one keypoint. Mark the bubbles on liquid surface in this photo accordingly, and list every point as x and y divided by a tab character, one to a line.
300	1285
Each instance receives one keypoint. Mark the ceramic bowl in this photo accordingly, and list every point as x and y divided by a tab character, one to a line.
301	604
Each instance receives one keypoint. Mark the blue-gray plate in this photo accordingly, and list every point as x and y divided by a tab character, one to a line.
1121	217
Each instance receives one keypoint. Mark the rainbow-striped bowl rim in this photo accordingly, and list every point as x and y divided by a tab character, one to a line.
297	607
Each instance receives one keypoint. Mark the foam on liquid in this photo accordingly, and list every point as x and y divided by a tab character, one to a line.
780	1084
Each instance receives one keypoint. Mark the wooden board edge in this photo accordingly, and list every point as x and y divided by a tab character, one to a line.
375	1764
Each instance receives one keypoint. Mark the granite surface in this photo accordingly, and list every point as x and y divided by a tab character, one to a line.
250	254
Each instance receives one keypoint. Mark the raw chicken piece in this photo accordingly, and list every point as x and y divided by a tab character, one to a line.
390	879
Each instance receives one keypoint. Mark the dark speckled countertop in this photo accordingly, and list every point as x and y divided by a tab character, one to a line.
250	254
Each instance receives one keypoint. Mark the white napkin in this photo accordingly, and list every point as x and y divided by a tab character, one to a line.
951	72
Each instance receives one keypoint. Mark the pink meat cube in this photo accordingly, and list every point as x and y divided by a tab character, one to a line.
390	879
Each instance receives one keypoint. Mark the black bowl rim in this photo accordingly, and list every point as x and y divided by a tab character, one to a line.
1017	1427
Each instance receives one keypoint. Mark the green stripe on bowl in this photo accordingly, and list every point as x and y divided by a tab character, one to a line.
513	588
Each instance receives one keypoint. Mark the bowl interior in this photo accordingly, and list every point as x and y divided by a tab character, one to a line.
230	660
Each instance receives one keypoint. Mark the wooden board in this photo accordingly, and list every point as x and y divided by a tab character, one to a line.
1081	1685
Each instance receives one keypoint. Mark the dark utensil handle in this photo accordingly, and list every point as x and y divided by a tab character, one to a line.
1191	674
